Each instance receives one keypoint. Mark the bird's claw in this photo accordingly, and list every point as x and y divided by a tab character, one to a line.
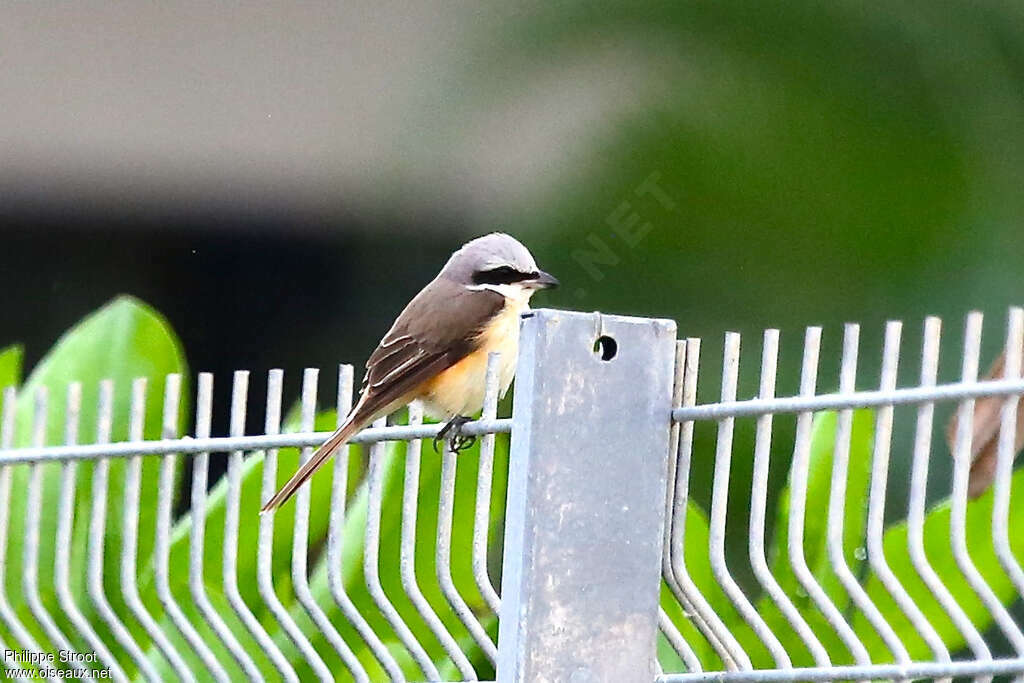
451	432
461	442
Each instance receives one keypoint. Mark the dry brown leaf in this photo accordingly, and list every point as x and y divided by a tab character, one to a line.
985	440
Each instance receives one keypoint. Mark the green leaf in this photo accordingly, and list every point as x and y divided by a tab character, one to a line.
426	534
448	670
251	476
938	549
354	543
248	531
121	341
202	626
10	366
819	488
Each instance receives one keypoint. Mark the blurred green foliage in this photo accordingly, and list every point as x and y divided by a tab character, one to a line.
979	532
938	549
824	162
10	366
121	342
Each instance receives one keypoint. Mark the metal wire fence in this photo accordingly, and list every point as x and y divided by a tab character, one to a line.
390	567
225	594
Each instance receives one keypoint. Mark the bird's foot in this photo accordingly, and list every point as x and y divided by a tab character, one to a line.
461	442
452	432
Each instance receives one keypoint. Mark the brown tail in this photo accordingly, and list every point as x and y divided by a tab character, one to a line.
353	424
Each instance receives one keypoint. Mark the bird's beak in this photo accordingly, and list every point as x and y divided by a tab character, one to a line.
543	281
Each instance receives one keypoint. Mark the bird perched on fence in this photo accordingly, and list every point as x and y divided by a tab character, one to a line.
436	350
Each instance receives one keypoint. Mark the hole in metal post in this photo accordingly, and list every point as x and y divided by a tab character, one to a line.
606	347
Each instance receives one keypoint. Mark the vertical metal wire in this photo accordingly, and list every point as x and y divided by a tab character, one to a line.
720	509
371	557
484	482
693	601
759	507
445	514
665	624
837	502
265	543
300	540
918	500
876	501
798	505
130	538
62	554
33	509
197	533
97	534
162	545
1005	454
678	643
336	535
239	394
407	559
7	614
961	470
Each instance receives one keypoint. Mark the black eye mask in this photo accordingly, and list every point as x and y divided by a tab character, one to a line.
502	275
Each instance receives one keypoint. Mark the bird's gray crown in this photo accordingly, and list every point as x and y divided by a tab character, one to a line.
487	253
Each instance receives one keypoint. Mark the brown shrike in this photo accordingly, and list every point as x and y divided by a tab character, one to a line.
437	349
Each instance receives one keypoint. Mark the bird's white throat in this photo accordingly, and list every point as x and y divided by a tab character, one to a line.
514	293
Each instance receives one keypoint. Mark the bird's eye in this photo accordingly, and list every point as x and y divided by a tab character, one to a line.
502	275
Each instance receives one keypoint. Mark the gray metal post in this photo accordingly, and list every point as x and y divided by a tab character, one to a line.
586	499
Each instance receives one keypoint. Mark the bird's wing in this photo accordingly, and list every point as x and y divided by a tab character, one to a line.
438	328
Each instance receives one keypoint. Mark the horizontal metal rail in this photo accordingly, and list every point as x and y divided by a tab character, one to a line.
191	446
957	391
892	672
712	411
